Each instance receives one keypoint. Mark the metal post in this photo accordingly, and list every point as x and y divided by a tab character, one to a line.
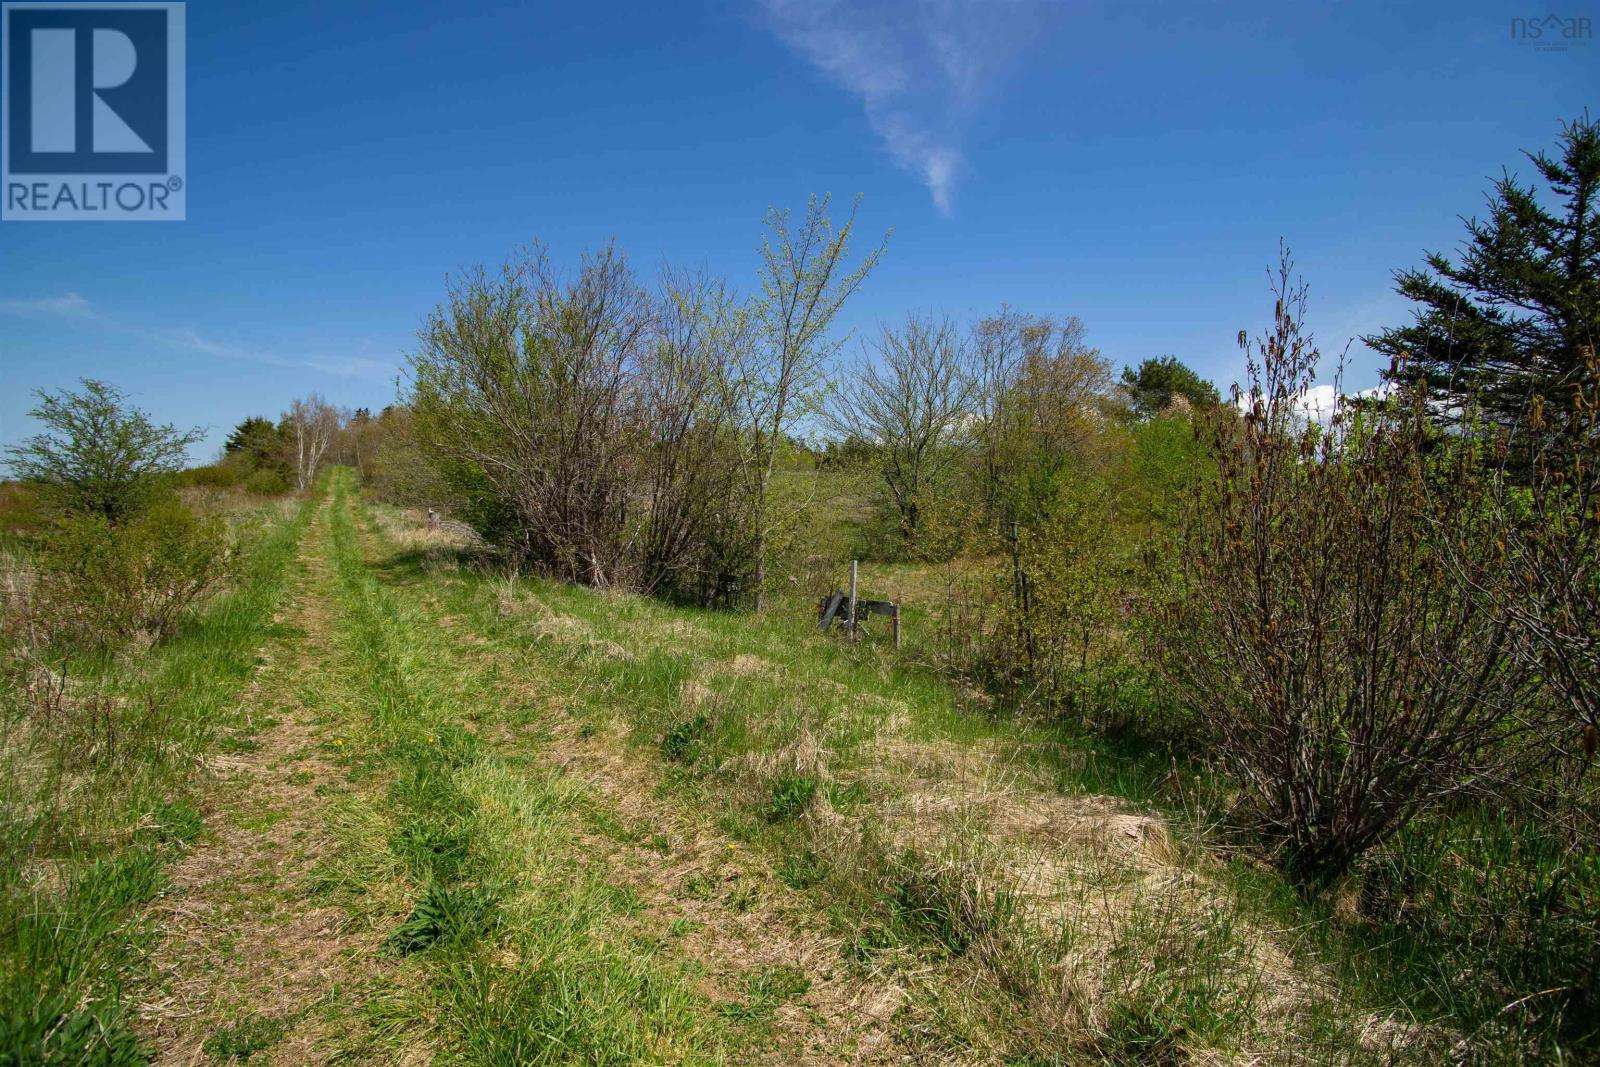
852	600
895	622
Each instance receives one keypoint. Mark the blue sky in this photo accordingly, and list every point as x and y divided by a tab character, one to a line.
1130	163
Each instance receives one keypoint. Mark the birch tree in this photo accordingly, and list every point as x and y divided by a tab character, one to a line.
313	424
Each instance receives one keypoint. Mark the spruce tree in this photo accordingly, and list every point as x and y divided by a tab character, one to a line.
1515	318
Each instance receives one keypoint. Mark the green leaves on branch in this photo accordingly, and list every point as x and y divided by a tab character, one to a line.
98	454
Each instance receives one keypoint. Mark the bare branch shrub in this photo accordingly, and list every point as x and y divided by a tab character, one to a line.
695	542
912	400
521	386
1551	519
1351	678
616	437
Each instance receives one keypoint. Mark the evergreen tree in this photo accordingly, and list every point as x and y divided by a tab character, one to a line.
257	441
1152	387
1516	317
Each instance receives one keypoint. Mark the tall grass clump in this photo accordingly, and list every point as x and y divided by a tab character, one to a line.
98	791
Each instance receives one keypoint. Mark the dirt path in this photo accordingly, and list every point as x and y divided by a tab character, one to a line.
247	964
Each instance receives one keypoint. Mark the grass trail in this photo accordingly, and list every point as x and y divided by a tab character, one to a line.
411	868
101	791
247	964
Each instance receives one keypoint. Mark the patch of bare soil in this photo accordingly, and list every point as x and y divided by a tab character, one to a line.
244	953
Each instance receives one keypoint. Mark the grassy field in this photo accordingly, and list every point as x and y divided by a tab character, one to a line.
396	807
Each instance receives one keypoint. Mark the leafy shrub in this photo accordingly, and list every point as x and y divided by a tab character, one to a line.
1547	502
213	476
99	455
266	482
1065	580
99	585
21	510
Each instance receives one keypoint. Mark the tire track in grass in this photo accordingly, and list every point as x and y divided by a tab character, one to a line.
249	968
507	941
775	968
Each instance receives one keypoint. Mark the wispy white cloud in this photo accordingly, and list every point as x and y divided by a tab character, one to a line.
351	366
188	339
71	305
922	68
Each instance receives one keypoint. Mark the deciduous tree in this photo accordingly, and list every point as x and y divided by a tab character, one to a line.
805	280
99	454
312	424
910	397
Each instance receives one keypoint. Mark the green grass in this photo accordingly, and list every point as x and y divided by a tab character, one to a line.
765	991
238	1041
1504	899
759	720
513	949
99	795
1459	921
